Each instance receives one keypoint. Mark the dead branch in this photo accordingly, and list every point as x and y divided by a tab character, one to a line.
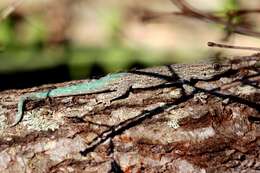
201	125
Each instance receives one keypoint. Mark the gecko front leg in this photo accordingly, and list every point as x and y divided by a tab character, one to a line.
118	91
22	100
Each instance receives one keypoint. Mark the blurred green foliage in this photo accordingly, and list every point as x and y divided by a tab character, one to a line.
24	47
231	5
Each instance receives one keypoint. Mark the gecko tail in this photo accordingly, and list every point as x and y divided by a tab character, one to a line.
18	118
20	108
19	114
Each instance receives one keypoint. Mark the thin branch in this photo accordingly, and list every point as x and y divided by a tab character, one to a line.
150	15
192	12
8	10
189	11
244	11
212	44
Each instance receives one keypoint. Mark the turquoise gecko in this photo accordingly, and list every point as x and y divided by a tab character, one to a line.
120	83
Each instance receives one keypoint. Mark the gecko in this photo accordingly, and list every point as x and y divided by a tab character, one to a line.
121	83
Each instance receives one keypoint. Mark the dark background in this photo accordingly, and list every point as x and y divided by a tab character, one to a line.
55	41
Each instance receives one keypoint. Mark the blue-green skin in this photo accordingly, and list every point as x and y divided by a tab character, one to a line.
78	89
122	82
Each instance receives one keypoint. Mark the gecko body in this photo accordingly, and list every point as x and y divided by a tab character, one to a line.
120	83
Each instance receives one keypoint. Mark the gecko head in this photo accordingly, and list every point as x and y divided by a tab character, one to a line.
209	71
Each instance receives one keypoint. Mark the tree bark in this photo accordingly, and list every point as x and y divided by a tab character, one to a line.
205	126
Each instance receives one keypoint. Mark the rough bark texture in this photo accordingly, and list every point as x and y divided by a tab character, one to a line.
212	126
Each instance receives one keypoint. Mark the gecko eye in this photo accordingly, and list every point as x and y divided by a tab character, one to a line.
205	74
216	67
